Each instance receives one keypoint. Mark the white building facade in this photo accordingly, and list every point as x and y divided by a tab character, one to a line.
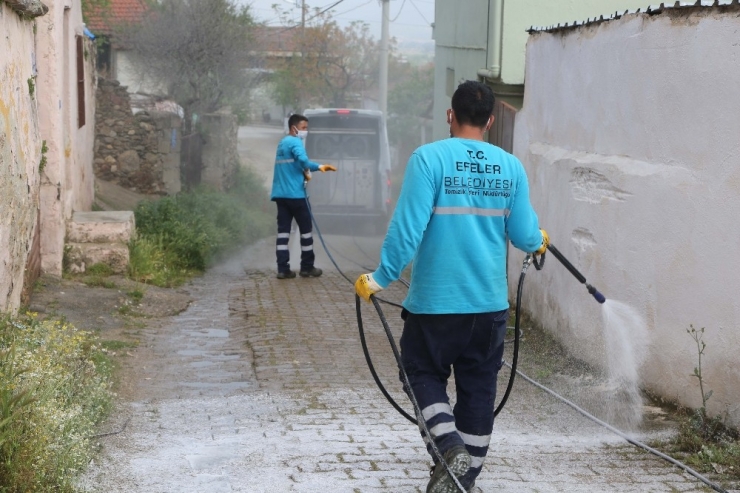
486	39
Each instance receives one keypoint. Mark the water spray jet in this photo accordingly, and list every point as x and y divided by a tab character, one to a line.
571	268
530	259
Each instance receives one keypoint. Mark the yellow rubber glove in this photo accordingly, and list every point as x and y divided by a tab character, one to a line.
545	242
307	174
366	285
327	167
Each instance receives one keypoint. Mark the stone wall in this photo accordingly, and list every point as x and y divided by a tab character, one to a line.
140	152
20	153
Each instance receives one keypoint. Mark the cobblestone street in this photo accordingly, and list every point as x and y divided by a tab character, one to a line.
261	386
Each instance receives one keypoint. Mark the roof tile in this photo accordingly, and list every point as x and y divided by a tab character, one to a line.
103	20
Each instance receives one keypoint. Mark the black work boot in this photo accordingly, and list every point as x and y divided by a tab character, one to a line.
458	459
312	272
288	274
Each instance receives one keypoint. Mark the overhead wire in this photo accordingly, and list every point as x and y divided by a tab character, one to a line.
420	13
353	9
399	12
323	11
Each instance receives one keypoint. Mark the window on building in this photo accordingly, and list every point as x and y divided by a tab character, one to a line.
450	82
80	82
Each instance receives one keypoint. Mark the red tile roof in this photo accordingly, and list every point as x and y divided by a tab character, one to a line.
103	20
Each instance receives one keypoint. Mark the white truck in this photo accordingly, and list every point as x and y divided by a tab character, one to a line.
358	195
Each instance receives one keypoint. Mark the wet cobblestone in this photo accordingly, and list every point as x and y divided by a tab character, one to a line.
282	401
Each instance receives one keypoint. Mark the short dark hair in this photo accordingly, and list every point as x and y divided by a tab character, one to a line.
295	120
473	103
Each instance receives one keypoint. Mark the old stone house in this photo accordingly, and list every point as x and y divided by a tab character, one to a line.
114	60
46	136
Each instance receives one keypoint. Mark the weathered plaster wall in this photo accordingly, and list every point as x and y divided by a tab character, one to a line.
20	152
629	134
67	183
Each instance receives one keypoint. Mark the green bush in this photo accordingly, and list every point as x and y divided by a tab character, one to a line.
150	263
185	233
54	389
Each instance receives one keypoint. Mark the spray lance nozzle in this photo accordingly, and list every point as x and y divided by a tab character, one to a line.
595	293
592	290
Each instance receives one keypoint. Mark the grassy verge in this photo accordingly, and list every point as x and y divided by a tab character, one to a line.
705	443
182	235
54	389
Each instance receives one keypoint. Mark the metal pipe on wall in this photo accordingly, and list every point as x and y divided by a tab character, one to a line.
495	34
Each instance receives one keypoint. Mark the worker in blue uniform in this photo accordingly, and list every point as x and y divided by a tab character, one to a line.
292	170
460	200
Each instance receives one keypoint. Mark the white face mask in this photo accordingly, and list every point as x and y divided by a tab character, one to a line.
302	134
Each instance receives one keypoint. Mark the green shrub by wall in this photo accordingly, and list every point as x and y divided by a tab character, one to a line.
185	233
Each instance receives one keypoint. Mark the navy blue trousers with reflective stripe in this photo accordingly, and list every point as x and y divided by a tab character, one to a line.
471	345
287	210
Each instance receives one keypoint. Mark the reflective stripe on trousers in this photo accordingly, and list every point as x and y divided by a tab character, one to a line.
471	344
287	210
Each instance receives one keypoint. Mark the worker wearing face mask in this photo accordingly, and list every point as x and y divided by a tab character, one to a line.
292	169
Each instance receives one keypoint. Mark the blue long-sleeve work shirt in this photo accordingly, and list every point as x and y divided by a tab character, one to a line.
459	201
290	162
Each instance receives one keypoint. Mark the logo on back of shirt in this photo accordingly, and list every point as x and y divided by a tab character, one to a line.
476	177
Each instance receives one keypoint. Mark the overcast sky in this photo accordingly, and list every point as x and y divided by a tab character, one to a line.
411	19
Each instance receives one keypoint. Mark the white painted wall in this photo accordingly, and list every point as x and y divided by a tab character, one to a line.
130	75
67	183
629	134
20	152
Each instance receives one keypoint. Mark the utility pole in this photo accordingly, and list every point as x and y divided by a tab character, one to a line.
383	82
303	18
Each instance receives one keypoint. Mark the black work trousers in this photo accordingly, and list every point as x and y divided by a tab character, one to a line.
472	345
287	210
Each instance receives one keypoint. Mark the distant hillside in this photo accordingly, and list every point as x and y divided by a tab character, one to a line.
415	51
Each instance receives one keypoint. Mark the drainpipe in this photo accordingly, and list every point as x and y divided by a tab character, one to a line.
495	33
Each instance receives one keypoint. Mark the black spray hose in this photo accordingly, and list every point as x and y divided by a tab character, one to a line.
514	360
623	435
513	366
592	290
321	238
517	335
407	386
601	299
370	361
